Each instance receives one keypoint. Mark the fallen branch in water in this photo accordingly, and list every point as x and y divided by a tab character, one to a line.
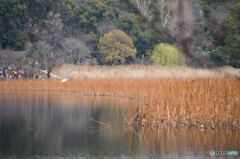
100	122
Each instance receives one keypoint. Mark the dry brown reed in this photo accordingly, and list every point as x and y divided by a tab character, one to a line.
186	102
138	71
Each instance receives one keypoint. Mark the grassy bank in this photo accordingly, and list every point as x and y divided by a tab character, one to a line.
183	102
138	71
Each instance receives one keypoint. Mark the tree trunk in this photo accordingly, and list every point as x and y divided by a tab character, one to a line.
17	74
49	69
4	72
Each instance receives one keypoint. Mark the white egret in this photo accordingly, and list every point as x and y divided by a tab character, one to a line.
65	77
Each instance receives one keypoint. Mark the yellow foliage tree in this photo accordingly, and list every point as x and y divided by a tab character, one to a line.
116	48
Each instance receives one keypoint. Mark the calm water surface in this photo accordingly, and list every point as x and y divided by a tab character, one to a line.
70	125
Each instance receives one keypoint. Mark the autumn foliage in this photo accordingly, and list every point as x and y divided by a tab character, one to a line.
116	48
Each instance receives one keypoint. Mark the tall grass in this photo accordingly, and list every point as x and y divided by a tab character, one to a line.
184	102
138	71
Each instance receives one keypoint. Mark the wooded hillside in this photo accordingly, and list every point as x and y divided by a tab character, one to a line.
204	33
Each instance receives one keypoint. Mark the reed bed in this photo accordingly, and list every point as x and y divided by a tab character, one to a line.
175	102
138	71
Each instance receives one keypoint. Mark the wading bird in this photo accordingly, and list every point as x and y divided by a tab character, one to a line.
65	77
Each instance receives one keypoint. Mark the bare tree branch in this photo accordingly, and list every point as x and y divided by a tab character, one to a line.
164	11
144	8
76	49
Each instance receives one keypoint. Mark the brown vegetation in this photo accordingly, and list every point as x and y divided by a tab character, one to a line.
138	71
189	102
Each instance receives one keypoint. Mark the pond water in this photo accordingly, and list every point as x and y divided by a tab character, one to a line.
70	125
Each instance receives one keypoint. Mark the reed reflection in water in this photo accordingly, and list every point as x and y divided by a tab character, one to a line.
180	143
59	125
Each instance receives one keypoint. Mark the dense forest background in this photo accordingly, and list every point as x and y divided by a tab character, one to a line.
196	33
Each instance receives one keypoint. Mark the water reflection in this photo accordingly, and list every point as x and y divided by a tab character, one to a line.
58	124
180	143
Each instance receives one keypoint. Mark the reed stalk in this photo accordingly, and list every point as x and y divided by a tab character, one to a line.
174	102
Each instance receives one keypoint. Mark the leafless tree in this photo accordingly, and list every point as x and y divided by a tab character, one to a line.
185	25
183	19
46	57
76	49
144	8
47	47
163	10
147	8
13	59
4	60
222	11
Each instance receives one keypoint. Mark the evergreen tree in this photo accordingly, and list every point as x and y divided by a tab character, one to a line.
230	52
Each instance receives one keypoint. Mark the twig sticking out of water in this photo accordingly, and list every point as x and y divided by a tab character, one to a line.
107	125
100	122
130	121
98	130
